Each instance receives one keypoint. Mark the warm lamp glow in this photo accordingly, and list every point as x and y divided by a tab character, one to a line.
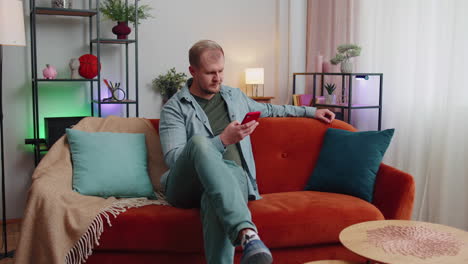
12	23
254	76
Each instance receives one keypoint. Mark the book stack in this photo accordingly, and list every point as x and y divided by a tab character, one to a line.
306	99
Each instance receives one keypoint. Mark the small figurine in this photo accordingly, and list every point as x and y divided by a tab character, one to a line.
61	3
74	66
49	72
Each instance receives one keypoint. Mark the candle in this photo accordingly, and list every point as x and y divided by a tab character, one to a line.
318	63
326	66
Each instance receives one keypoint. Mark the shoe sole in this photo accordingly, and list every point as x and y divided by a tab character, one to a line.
258	257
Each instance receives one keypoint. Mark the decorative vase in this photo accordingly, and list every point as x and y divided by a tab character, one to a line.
330	99
61	3
49	72
346	67
121	30
169	93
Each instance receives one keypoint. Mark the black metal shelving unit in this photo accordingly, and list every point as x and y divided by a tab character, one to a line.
346	89
95	44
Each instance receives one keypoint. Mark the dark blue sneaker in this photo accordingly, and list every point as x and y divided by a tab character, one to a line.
255	252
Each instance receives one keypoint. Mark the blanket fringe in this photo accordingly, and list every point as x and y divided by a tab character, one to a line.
84	247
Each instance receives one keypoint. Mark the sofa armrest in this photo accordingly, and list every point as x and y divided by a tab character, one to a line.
394	193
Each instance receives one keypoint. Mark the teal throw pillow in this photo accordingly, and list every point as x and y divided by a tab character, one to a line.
348	162
109	164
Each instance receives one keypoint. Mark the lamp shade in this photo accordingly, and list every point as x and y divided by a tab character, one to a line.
12	23
254	76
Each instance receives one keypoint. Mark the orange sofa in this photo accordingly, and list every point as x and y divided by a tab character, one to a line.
298	226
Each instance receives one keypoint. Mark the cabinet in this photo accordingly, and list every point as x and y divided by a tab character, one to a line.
91	22
345	104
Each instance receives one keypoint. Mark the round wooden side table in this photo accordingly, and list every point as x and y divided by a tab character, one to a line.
424	240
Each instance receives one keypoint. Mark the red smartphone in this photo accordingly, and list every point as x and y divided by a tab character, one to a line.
251	116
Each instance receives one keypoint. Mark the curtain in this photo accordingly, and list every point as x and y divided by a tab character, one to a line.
329	23
421	48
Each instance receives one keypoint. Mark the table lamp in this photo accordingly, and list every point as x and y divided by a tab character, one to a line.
254	77
11	34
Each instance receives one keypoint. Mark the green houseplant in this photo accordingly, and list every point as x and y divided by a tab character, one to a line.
170	83
346	52
119	11
330	98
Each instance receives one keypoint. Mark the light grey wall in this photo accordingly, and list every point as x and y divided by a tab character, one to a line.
297	43
252	33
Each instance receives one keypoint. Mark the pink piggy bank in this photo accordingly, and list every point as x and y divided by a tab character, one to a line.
49	72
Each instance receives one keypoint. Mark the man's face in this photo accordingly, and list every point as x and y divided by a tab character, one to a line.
209	75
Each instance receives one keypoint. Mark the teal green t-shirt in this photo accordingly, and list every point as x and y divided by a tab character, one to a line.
217	113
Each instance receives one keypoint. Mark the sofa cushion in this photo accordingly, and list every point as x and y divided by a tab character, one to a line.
283	219
154	228
293	150
349	161
308	218
110	164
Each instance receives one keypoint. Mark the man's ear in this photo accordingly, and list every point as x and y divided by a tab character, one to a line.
192	70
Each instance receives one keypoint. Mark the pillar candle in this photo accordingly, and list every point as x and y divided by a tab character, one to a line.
318	63
326	66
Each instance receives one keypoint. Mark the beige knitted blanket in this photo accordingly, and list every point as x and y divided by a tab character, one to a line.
63	226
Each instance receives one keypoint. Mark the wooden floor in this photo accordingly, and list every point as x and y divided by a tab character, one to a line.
13	228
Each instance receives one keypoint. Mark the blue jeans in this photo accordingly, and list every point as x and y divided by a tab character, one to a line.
201	178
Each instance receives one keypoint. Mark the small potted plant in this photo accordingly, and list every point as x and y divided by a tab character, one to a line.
170	83
119	11
330	98
345	52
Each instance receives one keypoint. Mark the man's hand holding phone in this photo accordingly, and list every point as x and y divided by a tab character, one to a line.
236	131
251	116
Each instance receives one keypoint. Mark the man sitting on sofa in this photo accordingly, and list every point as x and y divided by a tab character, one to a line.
210	156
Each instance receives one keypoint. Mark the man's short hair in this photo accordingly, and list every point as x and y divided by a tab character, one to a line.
198	48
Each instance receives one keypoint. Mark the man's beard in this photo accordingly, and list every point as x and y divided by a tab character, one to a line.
207	90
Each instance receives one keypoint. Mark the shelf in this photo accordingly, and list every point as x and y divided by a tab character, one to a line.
66	80
40	142
347	80
113	41
337	73
126	101
354	106
87	16
32	141
261	97
65	12
43	148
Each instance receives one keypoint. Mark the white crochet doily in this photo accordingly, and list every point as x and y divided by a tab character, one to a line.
417	241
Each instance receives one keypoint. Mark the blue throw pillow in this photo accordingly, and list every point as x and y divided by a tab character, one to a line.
109	164
348	162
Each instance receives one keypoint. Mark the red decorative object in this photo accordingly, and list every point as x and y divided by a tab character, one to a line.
121	30
89	66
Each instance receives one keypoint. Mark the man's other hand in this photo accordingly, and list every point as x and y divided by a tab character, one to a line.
324	115
235	132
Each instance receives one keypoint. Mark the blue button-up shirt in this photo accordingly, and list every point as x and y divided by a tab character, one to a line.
182	117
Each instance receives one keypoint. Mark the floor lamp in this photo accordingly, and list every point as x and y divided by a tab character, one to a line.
11	34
